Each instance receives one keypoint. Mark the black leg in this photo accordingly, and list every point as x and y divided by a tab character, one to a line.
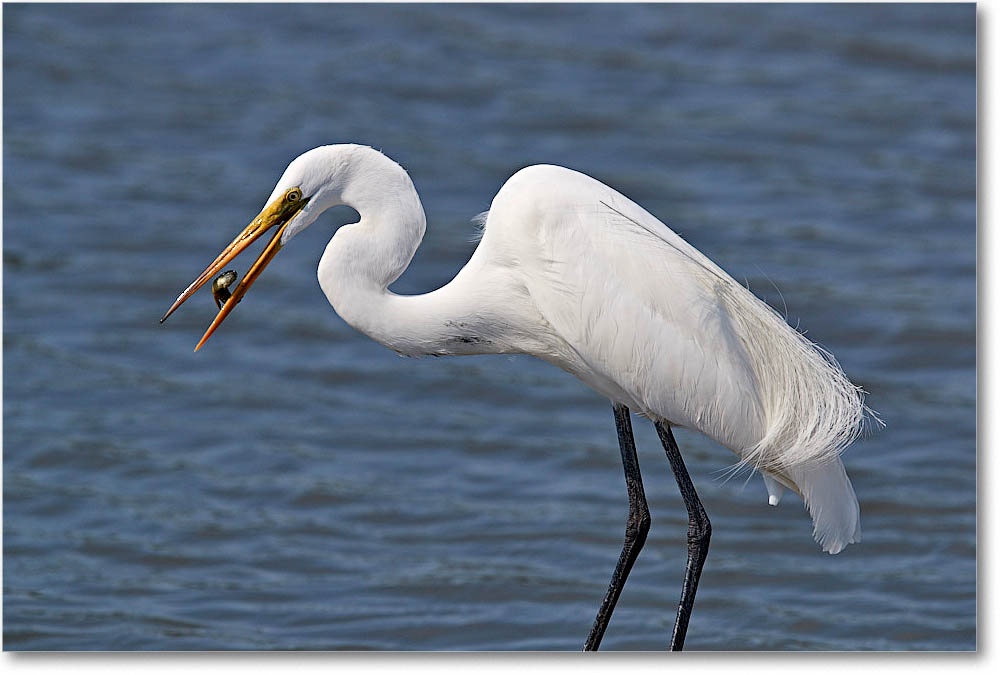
636	527
699	533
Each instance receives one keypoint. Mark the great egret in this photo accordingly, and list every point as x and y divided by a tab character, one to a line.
575	273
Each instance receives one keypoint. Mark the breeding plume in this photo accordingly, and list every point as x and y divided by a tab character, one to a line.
575	273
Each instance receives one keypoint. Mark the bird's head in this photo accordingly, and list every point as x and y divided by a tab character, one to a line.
306	189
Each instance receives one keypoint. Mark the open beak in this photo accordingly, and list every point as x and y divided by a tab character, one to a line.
276	214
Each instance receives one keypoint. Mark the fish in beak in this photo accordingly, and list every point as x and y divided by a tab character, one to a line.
277	214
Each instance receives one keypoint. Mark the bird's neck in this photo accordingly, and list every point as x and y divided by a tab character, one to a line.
364	258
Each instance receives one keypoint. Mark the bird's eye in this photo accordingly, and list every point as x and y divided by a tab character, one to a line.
294	195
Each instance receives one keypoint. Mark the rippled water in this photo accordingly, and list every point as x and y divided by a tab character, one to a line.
296	486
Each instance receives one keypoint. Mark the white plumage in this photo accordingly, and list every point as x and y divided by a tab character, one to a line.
575	273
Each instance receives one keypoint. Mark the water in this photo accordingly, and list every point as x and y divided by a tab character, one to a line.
296	486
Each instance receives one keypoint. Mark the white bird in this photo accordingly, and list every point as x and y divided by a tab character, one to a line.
573	272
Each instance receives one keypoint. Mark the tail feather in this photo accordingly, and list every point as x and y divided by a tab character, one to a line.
830	499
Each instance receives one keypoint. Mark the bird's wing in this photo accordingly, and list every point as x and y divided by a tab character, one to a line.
655	324
644	309
679	337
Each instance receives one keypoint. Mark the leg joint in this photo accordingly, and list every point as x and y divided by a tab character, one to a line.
637	525
700	530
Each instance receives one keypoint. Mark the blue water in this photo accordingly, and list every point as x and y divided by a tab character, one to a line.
296	486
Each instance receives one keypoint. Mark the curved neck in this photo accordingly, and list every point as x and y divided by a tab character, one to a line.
364	258
378	248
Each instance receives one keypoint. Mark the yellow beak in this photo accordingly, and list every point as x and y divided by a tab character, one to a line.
278	213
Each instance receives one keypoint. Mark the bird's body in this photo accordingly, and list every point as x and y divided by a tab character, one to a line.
573	272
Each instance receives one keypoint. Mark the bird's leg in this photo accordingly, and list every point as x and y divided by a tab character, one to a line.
699	533
636	527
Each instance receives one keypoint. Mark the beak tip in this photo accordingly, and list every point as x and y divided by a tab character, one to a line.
275	216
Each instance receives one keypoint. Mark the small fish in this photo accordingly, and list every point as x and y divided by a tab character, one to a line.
220	287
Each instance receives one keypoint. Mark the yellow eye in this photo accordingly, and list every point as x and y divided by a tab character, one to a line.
294	195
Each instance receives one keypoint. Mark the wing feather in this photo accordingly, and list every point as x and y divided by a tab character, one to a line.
677	336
